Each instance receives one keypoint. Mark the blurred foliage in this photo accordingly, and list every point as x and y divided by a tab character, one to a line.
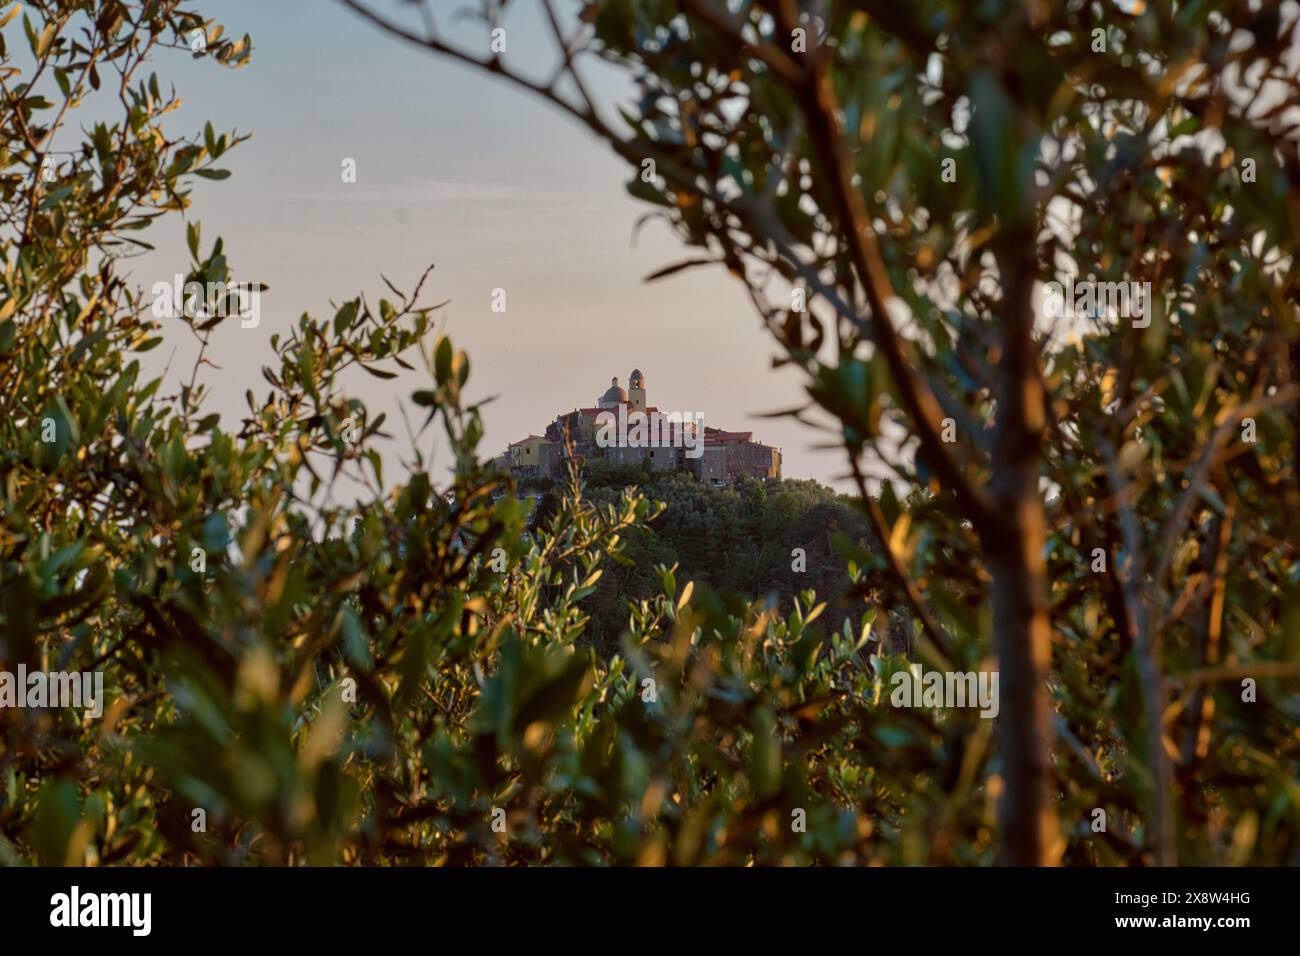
413	680
354	684
1116	142
1127	492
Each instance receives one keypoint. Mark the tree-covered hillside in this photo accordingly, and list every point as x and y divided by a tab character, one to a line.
764	540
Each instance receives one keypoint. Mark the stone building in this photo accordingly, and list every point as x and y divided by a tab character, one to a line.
742	455
623	428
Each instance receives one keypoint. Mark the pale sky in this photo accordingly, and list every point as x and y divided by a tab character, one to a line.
497	189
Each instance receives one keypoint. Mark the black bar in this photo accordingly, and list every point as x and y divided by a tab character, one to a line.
681	907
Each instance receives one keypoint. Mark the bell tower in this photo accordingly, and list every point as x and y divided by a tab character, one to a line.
636	390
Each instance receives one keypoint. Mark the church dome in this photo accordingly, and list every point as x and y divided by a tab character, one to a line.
614	393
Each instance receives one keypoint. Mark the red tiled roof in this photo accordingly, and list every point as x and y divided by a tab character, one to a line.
597	410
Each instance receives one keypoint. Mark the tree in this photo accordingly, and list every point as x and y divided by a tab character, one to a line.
286	678
410	679
915	172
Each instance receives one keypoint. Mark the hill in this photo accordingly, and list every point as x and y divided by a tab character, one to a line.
754	538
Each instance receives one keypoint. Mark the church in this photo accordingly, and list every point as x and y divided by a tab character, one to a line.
713	455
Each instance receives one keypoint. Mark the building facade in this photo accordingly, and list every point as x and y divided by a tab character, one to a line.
622	428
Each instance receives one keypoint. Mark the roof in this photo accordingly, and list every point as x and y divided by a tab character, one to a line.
594	411
615	392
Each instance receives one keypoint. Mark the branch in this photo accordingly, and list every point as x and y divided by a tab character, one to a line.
1208	633
821	108
934	631
1209	458
1232	672
1153	688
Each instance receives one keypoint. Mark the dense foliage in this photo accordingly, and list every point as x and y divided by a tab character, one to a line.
766	540
416	680
1110	498
342	684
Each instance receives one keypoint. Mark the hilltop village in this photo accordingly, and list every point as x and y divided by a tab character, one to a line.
622	428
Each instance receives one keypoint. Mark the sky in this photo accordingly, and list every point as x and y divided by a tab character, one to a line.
494	188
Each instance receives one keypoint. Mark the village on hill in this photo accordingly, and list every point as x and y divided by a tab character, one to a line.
622	428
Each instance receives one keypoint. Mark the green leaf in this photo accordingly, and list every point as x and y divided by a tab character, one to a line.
345	316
